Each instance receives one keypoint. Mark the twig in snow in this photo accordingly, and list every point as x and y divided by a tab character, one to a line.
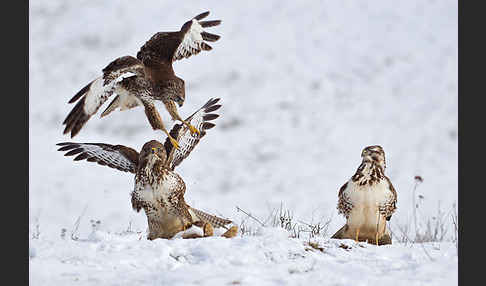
74	233
418	180
250	216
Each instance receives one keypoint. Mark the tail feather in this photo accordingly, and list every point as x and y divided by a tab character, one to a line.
212	219
122	101
340	233
113	105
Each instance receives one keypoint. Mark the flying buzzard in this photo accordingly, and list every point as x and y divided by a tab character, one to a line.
152	78
367	200
158	190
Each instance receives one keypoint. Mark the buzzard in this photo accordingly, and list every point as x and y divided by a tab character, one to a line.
367	200
158	189
151	78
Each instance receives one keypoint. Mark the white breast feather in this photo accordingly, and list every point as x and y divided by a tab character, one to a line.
146	194
161	191
367	195
366	201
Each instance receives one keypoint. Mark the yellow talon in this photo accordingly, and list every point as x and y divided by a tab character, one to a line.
357	235
193	129
174	142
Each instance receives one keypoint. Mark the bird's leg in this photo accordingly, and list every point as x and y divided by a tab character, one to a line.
377	226
172	140
357	234
171	107
155	121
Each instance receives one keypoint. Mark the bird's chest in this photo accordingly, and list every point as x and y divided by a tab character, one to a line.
159	187
367	199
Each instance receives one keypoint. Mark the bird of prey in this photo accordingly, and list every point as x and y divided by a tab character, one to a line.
158	189
367	200
152	78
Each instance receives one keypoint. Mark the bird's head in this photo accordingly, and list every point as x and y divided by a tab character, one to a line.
374	154
153	150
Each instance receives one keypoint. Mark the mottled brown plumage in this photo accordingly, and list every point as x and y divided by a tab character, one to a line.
153	79
158	190
367	200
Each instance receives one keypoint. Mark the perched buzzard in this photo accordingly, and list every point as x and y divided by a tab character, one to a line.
152	78
158	189
367	200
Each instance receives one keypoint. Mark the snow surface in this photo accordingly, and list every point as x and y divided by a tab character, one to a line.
268	258
305	85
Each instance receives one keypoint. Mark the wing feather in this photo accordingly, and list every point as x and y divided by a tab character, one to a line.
344	205
187	141
163	48
115	156
92	96
194	37
120	66
390	204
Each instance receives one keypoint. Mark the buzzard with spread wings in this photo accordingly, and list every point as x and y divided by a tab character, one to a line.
158	189
151	78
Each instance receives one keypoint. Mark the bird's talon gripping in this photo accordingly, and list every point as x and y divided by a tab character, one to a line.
174	142
193	129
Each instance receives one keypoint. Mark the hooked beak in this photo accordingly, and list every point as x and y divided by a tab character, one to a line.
180	101
365	154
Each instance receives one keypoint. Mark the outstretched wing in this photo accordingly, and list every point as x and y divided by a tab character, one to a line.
115	156
390	204
187	141
166	47
93	95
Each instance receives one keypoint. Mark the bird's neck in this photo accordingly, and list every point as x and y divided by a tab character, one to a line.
368	172
150	167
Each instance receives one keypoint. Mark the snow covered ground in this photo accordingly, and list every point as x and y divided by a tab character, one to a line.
268	258
305	85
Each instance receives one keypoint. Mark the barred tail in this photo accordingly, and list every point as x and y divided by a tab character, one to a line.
213	220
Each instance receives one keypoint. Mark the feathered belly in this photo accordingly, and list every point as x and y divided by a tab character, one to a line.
160	200
160	188
365	212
